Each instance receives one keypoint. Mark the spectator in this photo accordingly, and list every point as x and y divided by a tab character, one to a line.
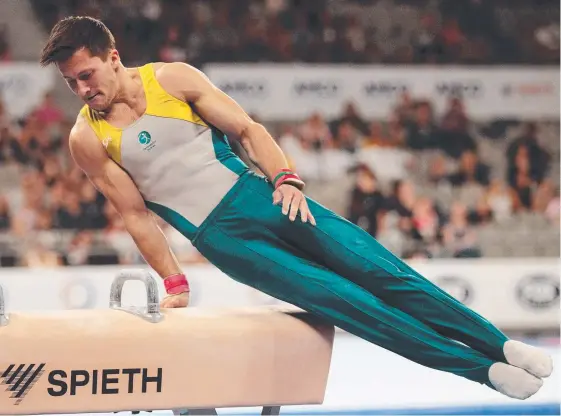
80	249
538	158
547	42
196	42
12	148
83	250
367	202
502	200
519	177
39	256
292	146
396	132
458	235
425	223
173	50
69	216
56	195
474	16
454	136
5	122
452	40
481	214
116	236
427	45
59	140
91	206
254	44
422	133
545	192
390	234
347	137
222	37
315	133
5	214
401	201
552	209
52	170
5	145
74	179
404	112
44	220
376	136
471	170
351	116
35	141
48	112
455	119
438	171
5	53
32	189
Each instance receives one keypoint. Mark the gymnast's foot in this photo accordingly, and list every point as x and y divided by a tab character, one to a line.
513	381
532	359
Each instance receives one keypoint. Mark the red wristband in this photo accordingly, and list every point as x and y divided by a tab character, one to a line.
291	179
176	283
281	173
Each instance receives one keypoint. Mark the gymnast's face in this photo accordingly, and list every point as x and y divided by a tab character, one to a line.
92	78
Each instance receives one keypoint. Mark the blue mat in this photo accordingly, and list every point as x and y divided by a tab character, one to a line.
522	409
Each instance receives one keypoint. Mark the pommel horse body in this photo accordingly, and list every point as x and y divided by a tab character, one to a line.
189	359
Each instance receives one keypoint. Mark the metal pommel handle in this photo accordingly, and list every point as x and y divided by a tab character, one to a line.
3	317
152	312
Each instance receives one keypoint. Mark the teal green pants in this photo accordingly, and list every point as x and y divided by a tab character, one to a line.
341	273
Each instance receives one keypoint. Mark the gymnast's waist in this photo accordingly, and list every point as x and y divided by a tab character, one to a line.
229	208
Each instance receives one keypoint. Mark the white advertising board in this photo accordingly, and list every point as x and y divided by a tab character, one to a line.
513	294
286	92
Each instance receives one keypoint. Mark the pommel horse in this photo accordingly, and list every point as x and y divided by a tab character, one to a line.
190	360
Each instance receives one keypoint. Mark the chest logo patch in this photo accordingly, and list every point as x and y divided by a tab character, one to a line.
144	138
146	141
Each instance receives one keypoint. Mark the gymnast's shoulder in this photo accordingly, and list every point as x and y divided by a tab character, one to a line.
182	80
84	146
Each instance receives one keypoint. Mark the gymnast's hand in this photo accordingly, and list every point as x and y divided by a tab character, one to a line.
181	300
177	291
293	200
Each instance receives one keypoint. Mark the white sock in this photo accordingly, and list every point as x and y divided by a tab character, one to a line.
530	358
513	381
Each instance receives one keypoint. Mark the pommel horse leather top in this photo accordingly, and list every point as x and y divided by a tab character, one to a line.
109	360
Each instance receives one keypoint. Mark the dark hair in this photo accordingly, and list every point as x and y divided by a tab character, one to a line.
363	167
74	33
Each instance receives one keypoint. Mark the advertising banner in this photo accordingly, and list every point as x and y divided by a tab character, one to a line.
289	92
23	86
514	294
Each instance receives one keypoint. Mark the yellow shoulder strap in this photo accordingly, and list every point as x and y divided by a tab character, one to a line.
108	135
160	103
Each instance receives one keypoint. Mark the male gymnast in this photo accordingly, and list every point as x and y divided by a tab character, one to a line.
156	139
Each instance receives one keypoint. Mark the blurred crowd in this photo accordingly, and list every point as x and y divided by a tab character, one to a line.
424	184
50	213
432	210
354	31
5	55
60	219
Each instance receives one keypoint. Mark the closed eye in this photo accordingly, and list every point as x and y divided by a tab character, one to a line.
85	77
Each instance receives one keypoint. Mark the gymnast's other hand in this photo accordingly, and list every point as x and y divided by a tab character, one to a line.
293	200
181	300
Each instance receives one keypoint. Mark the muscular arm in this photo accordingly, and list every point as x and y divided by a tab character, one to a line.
120	190
191	85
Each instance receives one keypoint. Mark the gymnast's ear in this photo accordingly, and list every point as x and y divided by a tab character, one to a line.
115	59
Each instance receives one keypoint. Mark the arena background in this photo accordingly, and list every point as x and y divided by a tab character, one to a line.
432	124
